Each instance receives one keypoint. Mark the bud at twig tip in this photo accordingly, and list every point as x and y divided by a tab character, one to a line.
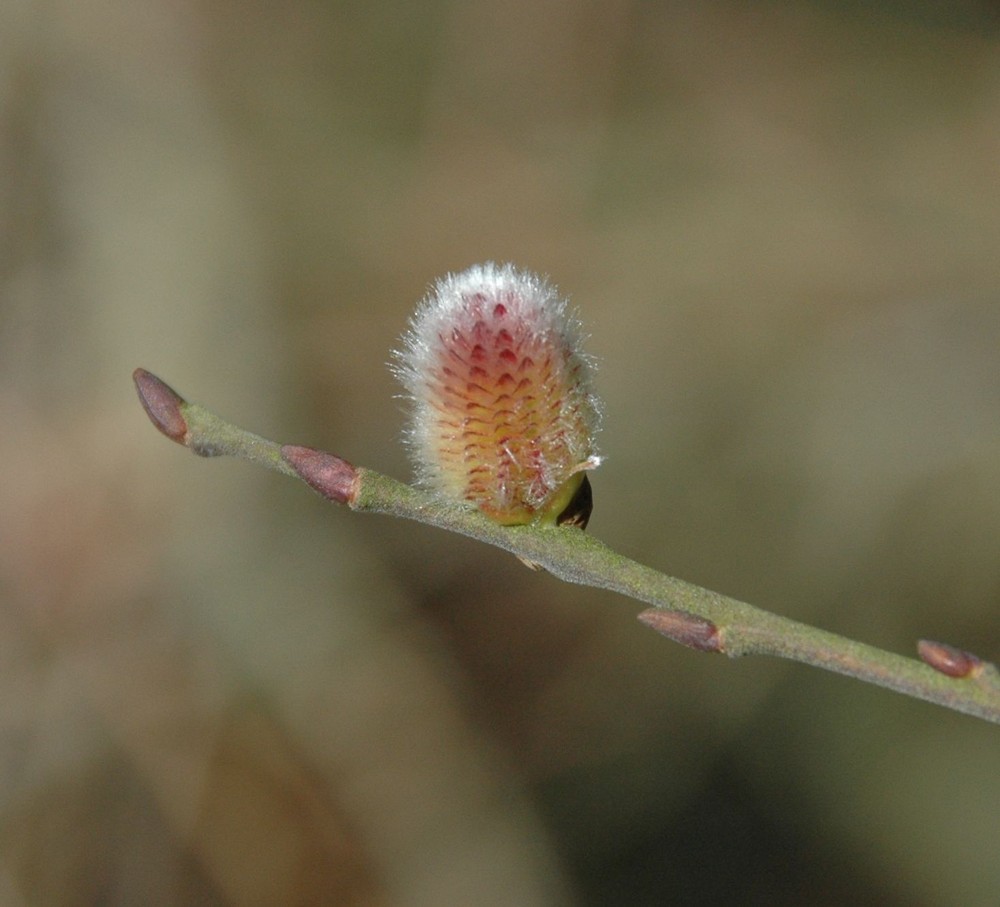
948	659
687	629
503	414
162	404
334	478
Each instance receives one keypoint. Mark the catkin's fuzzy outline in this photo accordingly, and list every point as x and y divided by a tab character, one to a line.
503	415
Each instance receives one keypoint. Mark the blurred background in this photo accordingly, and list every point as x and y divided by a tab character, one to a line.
780	224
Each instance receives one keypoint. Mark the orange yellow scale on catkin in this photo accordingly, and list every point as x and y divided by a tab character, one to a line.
503	415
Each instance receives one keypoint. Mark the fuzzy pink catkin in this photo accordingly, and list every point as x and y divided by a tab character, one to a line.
503	415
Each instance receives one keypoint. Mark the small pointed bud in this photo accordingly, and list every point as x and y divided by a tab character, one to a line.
162	404
687	629
332	477
948	659
503	413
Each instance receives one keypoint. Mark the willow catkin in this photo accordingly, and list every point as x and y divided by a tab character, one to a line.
503	413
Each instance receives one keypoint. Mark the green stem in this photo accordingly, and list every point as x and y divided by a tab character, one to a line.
690	614
744	629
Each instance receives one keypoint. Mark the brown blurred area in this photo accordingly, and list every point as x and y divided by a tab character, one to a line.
780	223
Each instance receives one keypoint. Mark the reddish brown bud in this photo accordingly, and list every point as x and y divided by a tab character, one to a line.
687	629
948	659
332	477
162	404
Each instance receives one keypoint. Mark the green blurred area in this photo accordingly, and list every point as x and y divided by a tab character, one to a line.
779	223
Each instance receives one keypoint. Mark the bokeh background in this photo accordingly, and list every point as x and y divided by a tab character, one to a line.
780	223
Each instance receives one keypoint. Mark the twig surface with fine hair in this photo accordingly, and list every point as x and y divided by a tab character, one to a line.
696	617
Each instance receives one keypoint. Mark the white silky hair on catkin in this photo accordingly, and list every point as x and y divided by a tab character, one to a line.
533	316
